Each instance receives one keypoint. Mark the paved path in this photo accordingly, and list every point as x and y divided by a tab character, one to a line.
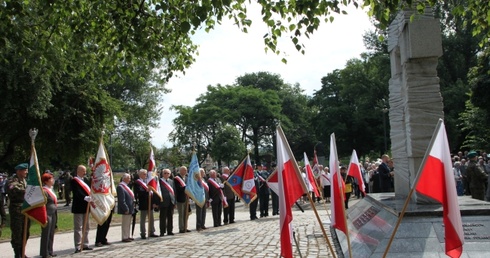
245	238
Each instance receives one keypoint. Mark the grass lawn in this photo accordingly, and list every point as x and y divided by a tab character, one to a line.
65	223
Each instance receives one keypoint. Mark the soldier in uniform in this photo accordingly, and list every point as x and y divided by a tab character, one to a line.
264	192
476	177
16	190
253	205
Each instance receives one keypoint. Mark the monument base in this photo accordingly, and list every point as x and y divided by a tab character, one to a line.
421	233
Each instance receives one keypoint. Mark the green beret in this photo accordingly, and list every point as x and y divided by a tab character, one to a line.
472	154
21	166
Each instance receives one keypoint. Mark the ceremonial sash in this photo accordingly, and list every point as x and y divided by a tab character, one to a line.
216	185
51	193
180	180
205	185
82	184
168	186
126	188
225	176
325	176
142	184
261	178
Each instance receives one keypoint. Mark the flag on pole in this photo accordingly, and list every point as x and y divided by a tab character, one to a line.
102	188
34	205
273	182
153	181
436	180
194	188
242	181
291	188
337	190
151	162
316	166
355	171
310	178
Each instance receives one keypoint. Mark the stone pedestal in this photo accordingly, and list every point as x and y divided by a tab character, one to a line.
372	220
415	98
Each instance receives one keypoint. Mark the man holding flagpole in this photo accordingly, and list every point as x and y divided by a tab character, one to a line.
16	188
80	186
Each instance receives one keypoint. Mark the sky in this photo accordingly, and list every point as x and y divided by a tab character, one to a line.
226	53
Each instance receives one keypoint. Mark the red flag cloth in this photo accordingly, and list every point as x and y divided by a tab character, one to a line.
34	205
436	180
291	188
154	185
151	162
310	177
102	187
337	190
242	181
355	171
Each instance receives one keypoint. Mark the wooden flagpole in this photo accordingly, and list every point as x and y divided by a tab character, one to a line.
24	237
149	210
402	213
321	225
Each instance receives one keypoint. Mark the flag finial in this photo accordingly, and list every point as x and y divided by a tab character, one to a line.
33	134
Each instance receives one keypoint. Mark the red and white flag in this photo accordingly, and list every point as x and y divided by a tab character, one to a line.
310	178
151	161
355	171
291	188
102	188
436	180
153	181
338	218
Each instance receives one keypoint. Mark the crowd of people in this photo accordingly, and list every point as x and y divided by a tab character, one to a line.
471	173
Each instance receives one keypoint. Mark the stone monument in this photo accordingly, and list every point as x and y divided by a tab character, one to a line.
415	107
415	97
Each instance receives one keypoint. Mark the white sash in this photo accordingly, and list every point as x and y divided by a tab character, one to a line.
142	184
83	185
168	186
180	180
126	188
51	193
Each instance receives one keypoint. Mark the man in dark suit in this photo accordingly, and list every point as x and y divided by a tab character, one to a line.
80	187
125	206
142	193
167	206
385	175
216	197
182	199
228	212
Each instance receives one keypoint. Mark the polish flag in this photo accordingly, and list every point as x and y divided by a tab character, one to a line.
355	171
153	181
151	162
436	180
310	178
291	188
337	190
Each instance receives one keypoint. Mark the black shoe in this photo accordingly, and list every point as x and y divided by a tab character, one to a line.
170	234
98	245
231	222
106	243
187	230
143	237
153	235
77	251
162	235
87	248
204	227
181	231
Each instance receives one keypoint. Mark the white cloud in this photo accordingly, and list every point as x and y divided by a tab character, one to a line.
227	53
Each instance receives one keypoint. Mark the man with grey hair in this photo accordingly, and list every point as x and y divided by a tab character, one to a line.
142	193
180	181
125	206
228	212
216	197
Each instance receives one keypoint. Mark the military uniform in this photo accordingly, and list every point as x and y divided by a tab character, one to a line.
16	189
477	180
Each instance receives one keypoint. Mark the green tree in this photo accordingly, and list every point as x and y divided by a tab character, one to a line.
227	145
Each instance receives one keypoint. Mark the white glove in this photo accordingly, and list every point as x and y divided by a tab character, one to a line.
221	185
87	199
210	200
